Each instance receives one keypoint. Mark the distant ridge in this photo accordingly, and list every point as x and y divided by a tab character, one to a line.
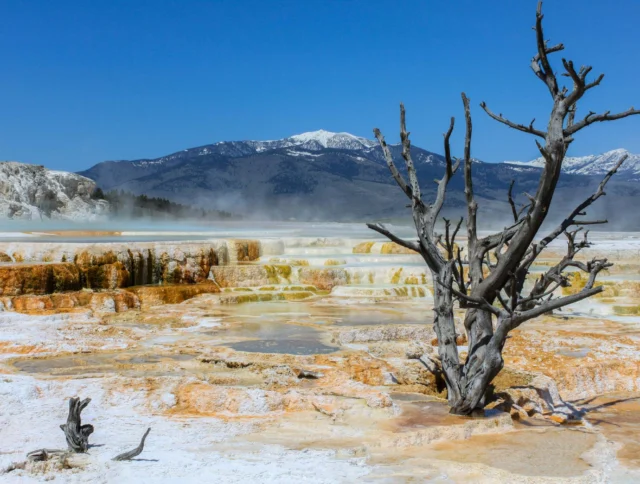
323	175
595	164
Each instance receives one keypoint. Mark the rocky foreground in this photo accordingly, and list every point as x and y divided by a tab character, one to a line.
281	359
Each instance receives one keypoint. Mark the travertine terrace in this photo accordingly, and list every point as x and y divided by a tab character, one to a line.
290	352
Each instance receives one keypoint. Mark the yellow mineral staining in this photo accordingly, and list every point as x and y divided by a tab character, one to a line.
612	290
577	281
416	291
170	294
630	310
263	296
299	288
335	262
278	273
412	280
401	291
363	248
393	248
395	279
5	258
297	295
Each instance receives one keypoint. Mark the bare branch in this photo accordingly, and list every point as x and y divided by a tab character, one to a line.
404	243
558	303
520	127
472	206
450	240
596	118
451	169
406	154
468	301
540	62
579	210
534	297
589	222
511	201
392	167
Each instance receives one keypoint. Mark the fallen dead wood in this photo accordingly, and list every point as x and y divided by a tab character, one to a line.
135	452
44	454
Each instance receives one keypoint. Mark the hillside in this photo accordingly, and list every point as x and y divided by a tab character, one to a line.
326	176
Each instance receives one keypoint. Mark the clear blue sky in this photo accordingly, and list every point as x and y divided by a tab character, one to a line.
87	81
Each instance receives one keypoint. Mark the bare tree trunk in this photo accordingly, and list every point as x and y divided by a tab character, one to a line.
484	362
444	326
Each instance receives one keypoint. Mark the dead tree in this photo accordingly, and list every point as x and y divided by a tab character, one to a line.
489	282
77	434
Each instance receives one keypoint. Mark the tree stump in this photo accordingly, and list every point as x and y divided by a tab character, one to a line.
77	434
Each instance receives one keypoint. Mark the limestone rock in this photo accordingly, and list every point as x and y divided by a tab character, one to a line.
31	192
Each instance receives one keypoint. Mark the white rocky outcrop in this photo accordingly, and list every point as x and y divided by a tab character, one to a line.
32	192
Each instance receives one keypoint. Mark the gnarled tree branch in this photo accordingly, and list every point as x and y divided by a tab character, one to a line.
520	127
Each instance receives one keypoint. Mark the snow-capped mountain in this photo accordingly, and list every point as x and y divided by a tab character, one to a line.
317	140
595	164
318	175
32	192
310	141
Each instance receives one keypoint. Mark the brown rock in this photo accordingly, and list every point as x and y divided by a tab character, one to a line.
170	294
38	278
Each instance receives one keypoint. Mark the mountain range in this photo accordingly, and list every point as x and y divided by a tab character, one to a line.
595	164
322	175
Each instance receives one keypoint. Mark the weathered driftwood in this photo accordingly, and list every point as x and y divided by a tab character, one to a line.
77	435
135	452
45	454
491	286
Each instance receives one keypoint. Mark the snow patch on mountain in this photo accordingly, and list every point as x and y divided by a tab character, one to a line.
314	141
593	164
31	192
327	139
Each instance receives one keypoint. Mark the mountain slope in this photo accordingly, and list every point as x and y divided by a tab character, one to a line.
32	192
317	175
595	164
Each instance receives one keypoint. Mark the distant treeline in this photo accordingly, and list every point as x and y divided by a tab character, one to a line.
126	204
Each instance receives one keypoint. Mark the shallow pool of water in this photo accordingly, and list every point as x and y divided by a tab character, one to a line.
287	346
